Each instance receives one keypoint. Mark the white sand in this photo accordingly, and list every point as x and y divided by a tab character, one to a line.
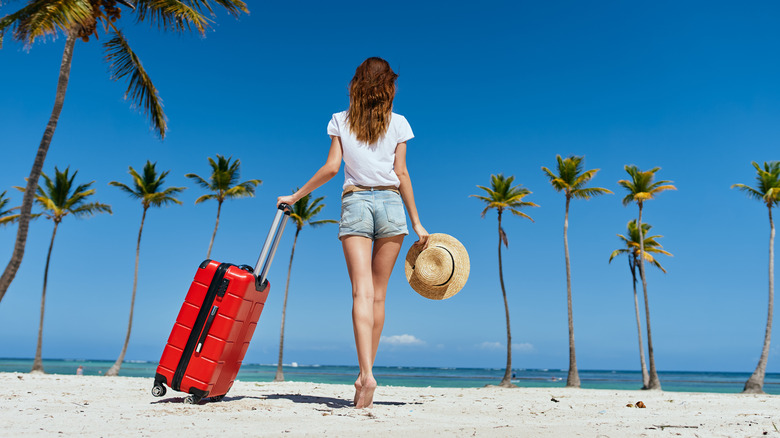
55	405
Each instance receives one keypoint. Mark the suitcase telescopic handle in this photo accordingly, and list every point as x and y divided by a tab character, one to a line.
271	243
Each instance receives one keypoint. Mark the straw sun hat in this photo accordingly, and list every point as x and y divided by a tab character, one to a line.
440	270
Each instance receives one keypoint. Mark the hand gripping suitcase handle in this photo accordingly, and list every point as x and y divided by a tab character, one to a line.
270	245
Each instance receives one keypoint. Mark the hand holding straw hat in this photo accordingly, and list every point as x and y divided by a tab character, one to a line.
439	269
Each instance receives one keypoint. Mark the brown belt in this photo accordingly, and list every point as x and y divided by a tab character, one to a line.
357	188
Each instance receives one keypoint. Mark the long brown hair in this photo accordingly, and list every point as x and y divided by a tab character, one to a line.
371	93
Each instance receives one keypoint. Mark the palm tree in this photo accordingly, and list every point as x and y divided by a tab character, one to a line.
147	188
302	213
502	196
224	183
83	19
58	200
571	180
641	188
767	191
651	246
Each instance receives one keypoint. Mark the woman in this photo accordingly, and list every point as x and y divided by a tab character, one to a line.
371	139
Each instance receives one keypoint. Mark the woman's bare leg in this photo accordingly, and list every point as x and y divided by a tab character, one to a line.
357	253
385	255
369	276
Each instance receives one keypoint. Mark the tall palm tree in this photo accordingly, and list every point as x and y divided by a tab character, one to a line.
59	199
571	180
147	188
651	246
767	190
81	19
502	196
302	213
224	183
641	188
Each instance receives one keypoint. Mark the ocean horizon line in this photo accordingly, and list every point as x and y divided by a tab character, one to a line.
444	368
421	377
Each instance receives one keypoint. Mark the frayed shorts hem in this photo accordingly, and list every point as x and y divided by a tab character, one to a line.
372	237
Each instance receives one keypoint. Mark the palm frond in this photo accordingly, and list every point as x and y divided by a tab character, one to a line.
9	219
617	252
199	180
14	218
322	222
123	62
661	186
92	209
557	183
481	198
206	197
658	265
490	192
590	192
125	189
521	214
234	7
162	198
584	178
173	15
315	210
3	202
242	190
46	17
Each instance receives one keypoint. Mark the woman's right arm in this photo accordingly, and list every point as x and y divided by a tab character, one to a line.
323	175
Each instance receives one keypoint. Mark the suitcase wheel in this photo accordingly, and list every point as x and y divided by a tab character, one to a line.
158	391
218	398
192	399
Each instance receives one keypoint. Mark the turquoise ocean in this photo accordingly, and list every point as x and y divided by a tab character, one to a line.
688	381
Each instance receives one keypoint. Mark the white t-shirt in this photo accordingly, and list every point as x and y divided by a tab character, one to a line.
370	165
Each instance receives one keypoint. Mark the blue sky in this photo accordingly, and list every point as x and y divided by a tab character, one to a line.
501	87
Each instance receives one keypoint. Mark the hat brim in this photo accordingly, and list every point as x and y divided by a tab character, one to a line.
459	276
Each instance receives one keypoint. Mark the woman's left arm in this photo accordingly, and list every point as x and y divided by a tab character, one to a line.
408	194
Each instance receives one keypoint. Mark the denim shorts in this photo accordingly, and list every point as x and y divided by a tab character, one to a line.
374	214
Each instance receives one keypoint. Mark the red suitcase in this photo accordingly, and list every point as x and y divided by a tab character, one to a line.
215	324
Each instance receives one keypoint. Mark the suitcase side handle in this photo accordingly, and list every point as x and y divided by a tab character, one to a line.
269	247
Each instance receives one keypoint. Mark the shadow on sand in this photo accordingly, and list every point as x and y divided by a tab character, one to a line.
205	400
333	403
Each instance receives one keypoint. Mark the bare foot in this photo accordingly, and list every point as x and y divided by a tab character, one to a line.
358	386
366	398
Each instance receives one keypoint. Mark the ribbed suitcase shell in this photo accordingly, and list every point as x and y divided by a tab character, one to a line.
211	370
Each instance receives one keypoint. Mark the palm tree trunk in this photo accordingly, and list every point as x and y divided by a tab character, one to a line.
38	361
114	370
645	375
219	208
35	173
653	382
573	379
279	374
755	383
507	379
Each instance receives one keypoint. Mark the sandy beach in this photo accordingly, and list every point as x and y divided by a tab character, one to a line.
49	405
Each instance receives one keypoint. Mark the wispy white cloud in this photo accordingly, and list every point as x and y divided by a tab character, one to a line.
401	340
491	346
526	347
522	347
